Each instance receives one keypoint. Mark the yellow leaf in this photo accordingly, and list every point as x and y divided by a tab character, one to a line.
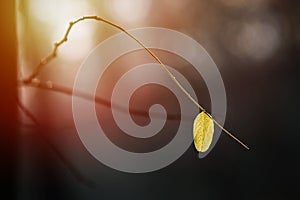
203	132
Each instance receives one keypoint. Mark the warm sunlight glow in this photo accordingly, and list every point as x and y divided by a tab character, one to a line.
57	15
129	11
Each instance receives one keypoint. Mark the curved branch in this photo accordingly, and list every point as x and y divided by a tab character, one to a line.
53	54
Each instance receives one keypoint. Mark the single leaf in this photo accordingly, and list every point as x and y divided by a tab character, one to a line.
203	132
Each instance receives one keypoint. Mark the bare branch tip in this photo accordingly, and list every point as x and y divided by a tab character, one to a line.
43	62
53	55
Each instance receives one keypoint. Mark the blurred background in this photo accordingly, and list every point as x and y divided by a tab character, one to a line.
255	45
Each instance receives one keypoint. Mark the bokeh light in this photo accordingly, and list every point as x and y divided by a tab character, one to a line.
125	11
253	40
257	40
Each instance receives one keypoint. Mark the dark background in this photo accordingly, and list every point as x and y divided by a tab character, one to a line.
263	107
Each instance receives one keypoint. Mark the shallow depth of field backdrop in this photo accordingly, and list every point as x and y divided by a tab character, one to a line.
255	45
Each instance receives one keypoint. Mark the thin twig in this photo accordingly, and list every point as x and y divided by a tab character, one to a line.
53	54
50	57
64	160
